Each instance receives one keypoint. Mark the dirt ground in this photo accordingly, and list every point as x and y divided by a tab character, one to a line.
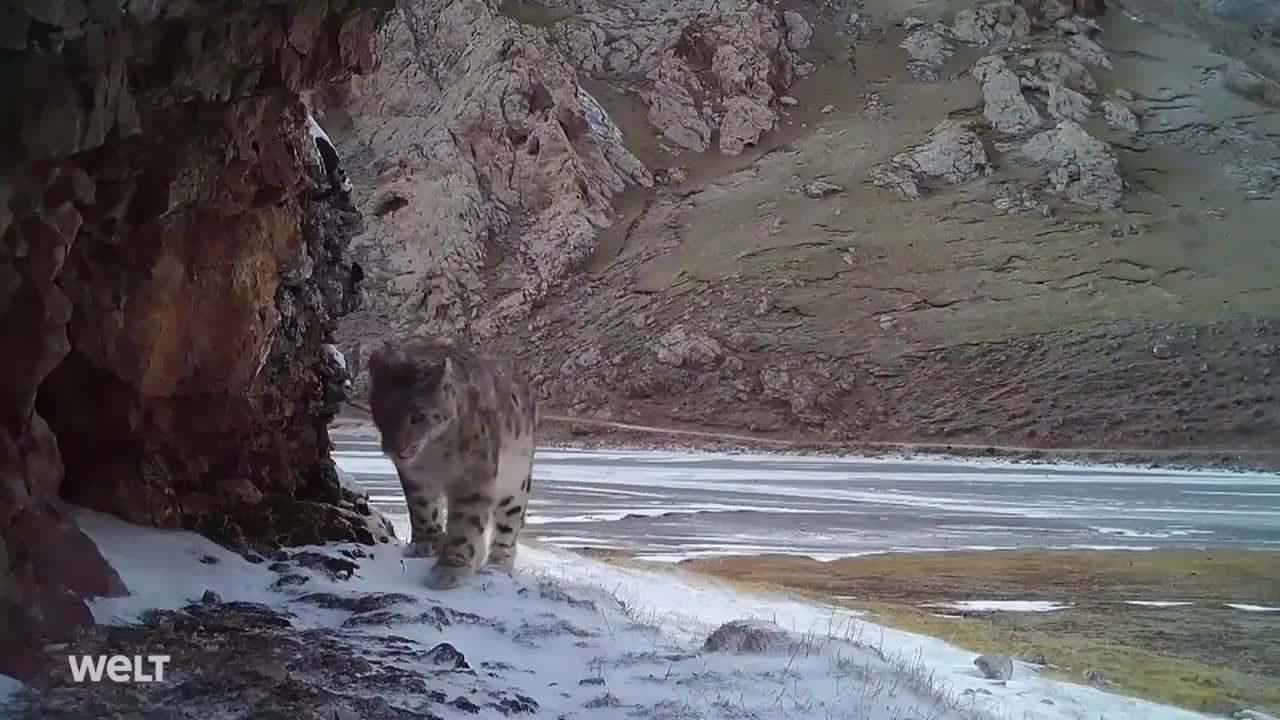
948	320
1203	656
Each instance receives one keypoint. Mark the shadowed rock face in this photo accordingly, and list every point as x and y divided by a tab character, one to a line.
171	266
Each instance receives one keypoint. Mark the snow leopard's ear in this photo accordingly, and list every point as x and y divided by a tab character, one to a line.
431	376
389	366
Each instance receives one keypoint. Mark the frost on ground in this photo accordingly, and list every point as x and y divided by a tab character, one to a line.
346	632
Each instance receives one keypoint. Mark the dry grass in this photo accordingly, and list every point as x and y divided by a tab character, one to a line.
1204	657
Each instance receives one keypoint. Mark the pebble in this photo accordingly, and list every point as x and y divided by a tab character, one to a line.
821	188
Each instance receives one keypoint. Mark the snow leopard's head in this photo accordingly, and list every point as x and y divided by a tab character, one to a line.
411	397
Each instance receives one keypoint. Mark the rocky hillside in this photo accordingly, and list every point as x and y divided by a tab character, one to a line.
996	223
171	268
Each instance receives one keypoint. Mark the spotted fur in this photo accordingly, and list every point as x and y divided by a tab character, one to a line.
460	430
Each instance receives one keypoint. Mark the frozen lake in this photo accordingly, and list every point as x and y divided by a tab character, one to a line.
676	505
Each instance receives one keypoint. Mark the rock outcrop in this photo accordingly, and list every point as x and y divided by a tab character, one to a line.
1081	168
1003	103
692	62
171	266
491	171
954	154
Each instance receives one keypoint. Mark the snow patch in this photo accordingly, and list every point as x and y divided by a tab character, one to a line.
334	355
168	569
1001	605
1246	607
9	688
598	119
353	486
639	631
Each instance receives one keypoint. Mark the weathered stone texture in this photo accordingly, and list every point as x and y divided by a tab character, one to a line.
171	264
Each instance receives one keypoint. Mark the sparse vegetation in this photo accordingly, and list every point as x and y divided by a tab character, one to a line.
1204	656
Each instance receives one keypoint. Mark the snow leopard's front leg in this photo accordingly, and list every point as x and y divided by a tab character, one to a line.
426	514
464	547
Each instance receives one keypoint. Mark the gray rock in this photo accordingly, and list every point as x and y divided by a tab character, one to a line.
1119	116
748	636
820	189
992	22
1162	351
1252	715
1048	11
854	24
274	671
343	713
1082	48
799	31
1243	81
928	43
995	667
1067	104
1003	104
210	598
1051	67
446	655
1098	680
679	347
953	154
744	121
1081	168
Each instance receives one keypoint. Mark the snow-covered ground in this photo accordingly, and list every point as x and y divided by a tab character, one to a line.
575	638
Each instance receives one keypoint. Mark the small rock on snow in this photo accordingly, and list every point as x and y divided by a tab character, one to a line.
995	667
447	655
747	636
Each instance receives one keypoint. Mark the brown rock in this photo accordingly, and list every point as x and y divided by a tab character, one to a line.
152	194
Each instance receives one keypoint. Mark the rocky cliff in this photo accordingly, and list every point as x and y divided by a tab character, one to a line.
171	268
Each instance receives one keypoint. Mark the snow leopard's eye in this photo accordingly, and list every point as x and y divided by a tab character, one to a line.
417	418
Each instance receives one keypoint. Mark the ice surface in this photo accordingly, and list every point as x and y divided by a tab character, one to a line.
1246	607
1001	605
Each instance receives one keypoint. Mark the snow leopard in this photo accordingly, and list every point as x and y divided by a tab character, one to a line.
460	429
